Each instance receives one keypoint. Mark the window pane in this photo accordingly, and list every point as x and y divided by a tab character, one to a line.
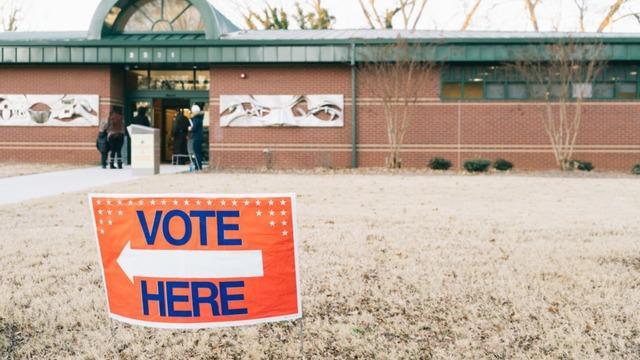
626	90
517	91
202	80
538	91
495	91
161	16
603	91
473	90
452	91
582	91
172	80
137	80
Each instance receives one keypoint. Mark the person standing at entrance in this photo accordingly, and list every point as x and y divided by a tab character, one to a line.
197	134
141	118
102	142
180	133
115	137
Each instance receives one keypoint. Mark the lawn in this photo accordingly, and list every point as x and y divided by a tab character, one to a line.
392	266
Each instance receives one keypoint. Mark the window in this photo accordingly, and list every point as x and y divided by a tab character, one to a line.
156	16
496	82
168	80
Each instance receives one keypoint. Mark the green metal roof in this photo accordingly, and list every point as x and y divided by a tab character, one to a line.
289	46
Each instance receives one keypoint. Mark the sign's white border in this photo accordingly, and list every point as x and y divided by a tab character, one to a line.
208	325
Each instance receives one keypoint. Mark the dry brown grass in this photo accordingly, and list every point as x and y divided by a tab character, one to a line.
8	169
393	266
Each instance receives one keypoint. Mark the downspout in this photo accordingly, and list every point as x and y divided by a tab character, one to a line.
354	108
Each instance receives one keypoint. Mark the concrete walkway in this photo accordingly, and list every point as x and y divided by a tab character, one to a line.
20	188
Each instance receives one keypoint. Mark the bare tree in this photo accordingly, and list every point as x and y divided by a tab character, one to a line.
582	10
396	75
9	15
531	8
562	81
410	10
613	10
270	18
318	18
470	15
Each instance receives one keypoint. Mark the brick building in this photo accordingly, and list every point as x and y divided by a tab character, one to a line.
297	98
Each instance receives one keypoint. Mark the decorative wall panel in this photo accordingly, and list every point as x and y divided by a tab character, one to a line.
282	110
49	110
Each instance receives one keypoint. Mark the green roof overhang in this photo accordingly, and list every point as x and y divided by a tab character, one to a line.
195	48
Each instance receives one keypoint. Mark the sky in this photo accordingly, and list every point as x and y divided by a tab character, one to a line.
507	15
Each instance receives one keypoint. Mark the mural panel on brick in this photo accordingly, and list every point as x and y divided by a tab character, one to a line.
282	110
49	110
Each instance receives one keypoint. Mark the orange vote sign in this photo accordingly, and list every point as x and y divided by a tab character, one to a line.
198	261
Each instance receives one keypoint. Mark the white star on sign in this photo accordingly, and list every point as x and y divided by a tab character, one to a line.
164	202
272	223
120	212
283	213
259	213
102	231
258	202
209	202
223	203
109	212
283	203
141	202
108	202
100	212
235	203
186	202
198	202
246	203
99	202
285	233
284	223
130	202
110	222
119	202
153	202
272	213
175	202
101	222
271	202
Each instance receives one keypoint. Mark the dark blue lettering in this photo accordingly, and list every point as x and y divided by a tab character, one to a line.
225	298
150	236
166	228
159	297
198	298
173	298
222	227
203	215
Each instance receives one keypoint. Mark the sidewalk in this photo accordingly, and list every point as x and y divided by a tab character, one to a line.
20	188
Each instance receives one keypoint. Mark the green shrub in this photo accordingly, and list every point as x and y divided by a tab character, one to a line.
636	169
502	165
477	165
583	165
439	163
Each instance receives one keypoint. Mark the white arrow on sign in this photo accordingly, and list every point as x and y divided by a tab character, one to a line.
190	264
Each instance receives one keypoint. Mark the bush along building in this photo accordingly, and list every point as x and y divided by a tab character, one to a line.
315	98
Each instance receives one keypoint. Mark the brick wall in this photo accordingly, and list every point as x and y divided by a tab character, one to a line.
57	144
457	131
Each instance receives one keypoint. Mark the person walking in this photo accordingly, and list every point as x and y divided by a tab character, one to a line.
102	143
115	137
180	133
197	134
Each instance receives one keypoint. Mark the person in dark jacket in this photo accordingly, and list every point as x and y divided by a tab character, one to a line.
141	119
115	137
197	134
180	133
102	143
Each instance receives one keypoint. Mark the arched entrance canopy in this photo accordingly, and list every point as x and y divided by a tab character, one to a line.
152	16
